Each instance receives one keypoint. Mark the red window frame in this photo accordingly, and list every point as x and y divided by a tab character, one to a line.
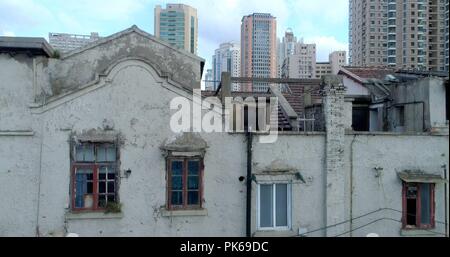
185	205
419	225
95	167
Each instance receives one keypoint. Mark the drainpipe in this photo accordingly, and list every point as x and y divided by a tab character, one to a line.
351	185
38	234
445	200
249	184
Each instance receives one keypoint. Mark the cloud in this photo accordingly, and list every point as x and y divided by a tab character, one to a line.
105	10
23	14
322	21
8	34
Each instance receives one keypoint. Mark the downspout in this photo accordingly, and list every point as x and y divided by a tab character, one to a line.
40	148
445	199
249	184
351	185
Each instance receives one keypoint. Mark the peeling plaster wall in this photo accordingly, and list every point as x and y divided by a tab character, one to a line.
78	69
135	102
304	154
392	153
19	172
16	92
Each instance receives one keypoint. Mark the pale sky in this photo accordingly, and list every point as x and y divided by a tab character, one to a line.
324	22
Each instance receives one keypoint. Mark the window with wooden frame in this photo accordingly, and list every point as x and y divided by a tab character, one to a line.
418	205
184	183
94	176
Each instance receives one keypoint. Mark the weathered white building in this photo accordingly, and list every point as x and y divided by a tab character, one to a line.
86	147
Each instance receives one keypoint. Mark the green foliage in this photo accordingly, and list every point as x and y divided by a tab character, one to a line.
113	207
56	54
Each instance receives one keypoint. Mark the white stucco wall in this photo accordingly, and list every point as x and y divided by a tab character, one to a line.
393	153
353	88
136	101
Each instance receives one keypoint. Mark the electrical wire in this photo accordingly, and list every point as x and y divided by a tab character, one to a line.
364	215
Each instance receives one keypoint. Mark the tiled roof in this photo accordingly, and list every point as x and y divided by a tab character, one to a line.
370	72
296	95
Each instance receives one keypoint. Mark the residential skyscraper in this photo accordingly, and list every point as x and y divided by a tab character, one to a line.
368	32
301	63
227	58
446	36
258	49
285	47
178	25
406	34
67	42
337	60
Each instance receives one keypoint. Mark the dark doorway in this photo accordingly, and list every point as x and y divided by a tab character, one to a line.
360	118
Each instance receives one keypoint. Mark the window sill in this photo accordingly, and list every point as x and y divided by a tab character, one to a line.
275	233
418	232
176	213
93	215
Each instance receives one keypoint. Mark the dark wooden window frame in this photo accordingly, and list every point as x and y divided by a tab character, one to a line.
185	160
419	225
95	166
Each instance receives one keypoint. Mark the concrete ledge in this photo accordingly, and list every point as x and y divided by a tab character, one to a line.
177	213
93	215
24	133
420	233
275	233
376	133
281	133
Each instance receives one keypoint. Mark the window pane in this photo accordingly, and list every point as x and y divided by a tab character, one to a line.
192	182
101	154
111	176
266	205
411	202
425	204
177	198
193	167
80	190
88	153
111	186
111	154
111	198
281	205
193	197
106	153
177	167
90	187
102	201
102	187
177	182
79	153
83	188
